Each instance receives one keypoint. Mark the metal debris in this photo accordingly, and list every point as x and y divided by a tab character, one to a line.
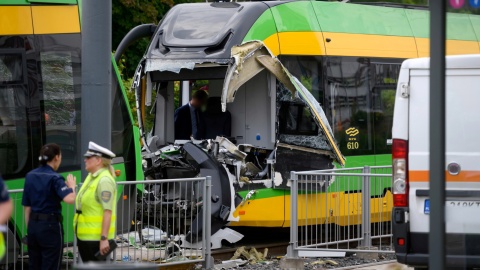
252	255
323	262
230	264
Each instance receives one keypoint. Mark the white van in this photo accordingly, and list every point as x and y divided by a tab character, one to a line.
411	162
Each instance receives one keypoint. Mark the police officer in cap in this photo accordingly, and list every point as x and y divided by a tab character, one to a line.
6	207
95	218
44	190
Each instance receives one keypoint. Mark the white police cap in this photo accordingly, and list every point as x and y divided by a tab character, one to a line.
99	151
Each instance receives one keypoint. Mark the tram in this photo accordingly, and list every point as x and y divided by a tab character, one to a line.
345	56
40	102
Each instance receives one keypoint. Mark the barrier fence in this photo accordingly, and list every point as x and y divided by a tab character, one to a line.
166	222
170	223
341	210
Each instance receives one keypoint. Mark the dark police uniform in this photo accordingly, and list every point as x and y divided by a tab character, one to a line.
4	197
44	190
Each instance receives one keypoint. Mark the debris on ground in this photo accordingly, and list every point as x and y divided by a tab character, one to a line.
322	262
251	261
252	256
230	264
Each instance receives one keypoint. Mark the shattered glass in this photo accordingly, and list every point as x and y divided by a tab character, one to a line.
318	142
310	99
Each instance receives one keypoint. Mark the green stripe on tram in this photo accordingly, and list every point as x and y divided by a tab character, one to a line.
262	28
362	19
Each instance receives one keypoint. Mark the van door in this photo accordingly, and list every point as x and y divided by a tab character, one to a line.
462	205
462	157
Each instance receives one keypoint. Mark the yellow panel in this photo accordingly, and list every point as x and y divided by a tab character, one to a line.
316	208
370	45
55	19
453	47
272	44
338	208
301	43
15	20
260	213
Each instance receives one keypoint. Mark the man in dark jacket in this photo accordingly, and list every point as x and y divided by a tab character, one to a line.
188	118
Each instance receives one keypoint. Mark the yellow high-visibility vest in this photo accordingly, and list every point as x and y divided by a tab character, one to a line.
89	222
2	246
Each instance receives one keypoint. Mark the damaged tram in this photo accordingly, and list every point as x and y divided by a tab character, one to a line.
306	84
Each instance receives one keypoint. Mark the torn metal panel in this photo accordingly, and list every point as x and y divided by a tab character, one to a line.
154	64
252	57
234	79
278	180
275	67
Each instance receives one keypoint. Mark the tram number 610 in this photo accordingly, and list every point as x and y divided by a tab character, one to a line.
353	145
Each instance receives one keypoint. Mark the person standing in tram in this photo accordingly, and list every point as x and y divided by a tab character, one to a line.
95	218
188	119
6	207
44	190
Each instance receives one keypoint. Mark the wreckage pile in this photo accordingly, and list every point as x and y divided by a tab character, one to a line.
252	259
244	257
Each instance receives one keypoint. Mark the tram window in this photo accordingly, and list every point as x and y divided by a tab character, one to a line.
384	77
296	119
357	95
348	99
308	70
13	120
60	112
193	24
11	68
121	123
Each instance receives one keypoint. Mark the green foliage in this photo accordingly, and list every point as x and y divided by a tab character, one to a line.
126	14
388	101
307	82
149	117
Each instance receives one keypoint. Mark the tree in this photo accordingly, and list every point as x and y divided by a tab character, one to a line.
126	14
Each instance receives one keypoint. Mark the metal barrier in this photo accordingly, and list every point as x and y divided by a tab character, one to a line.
341	210
170	216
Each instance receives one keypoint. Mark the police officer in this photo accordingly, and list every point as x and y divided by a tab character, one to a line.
6	207
44	190
95	218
